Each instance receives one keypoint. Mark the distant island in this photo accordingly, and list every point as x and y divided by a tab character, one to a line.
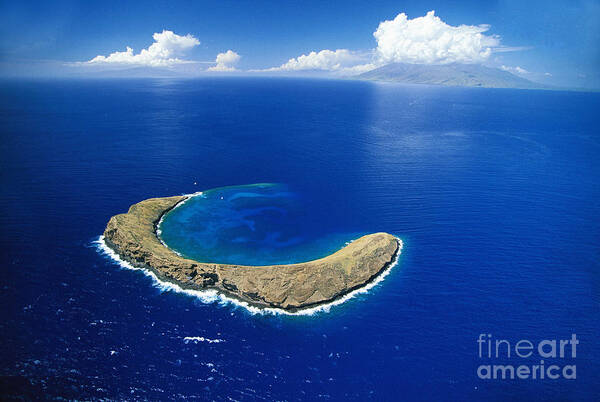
134	238
455	74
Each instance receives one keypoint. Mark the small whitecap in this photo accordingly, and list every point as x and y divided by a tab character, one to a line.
197	339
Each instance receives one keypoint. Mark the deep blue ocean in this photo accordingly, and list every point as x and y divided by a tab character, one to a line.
495	194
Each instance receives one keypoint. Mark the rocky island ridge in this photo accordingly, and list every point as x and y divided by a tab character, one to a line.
133	236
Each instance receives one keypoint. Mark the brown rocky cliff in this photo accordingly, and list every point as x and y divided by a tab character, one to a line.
294	286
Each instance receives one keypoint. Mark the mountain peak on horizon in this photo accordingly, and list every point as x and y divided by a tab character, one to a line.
455	74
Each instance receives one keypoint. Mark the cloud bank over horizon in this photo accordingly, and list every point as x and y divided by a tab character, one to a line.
226	61
421	40
326	60
165	51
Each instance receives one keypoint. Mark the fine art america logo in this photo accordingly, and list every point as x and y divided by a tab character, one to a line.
554	358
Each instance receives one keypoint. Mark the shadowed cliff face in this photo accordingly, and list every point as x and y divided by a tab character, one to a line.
133	237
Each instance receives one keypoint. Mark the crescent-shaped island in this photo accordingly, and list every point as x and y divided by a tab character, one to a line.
133	236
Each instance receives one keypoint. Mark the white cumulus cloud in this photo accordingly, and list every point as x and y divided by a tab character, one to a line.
226	61
429	40
514	70
421	40
165	50
357	69
326	60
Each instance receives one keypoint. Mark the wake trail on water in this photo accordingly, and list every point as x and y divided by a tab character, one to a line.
209	296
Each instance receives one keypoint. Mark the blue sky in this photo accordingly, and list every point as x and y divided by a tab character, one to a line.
557	42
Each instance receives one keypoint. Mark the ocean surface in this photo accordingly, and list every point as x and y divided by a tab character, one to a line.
495	194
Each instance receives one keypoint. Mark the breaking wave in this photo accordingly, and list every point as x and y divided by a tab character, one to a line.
209	296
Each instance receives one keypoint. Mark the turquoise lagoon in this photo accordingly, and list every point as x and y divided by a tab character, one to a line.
255	224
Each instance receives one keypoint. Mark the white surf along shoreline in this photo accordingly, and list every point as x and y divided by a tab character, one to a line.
210	296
